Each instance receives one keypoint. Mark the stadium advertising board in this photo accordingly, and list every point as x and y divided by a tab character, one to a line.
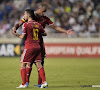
10	50
73	49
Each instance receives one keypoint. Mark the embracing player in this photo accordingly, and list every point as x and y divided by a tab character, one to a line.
32	50
43	20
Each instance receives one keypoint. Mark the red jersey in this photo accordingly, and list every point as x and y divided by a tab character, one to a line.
33	31
43	20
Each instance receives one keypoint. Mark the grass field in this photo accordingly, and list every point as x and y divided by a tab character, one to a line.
61	73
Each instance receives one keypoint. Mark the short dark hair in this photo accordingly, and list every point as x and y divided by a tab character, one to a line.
44	5
31	12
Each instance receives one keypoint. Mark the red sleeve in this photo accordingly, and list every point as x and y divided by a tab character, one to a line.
24	29
48	21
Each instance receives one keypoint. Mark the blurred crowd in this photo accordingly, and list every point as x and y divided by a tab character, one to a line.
83	16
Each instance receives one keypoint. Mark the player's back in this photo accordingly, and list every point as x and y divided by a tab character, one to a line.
32	30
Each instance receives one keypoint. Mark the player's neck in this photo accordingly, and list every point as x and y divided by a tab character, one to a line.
30	19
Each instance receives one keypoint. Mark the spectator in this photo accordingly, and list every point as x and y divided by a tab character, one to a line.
91	27
1	14
82	15
8	8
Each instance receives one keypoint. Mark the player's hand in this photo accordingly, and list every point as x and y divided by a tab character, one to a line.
16	34
44	34
70	32
13	31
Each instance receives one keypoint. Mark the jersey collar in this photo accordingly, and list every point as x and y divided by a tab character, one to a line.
31	21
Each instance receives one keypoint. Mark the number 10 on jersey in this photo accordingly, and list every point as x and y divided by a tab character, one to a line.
35	34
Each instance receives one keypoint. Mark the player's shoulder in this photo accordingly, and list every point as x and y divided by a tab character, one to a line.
37	23
46	17
25	23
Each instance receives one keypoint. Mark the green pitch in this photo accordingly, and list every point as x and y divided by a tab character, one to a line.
61	73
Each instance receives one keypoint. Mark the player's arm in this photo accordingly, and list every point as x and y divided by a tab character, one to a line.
16	26
42	31
44	34
69	32
52	25
21	36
